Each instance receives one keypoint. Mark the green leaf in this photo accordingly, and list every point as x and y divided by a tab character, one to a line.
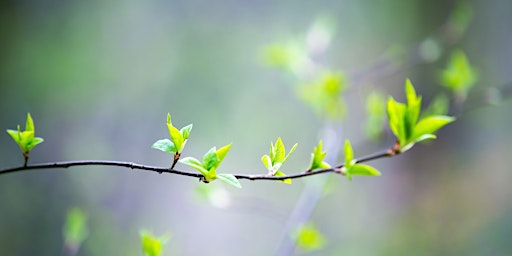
221	152
308	238
279	151
176	137
458	76
16	135
165	145
413	108
151	245
267	161
289	153
363	170
280	174
349	154
34	143
425	137
229	179
75	229
396	117
194	163
210	159
185	131
29	124
429	125
317	158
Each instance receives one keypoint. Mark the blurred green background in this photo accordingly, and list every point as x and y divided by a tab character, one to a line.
99	78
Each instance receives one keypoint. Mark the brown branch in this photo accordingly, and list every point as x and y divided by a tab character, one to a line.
67	164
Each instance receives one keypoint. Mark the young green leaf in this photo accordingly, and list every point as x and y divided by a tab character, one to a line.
430	124
265	159
289	153
458	76
221	152
194	163
75	229
25	139
309	238
185	131
349	154
210	159
403	120
229	179
165	145
317	158
176	137
151	245
279	151
363	170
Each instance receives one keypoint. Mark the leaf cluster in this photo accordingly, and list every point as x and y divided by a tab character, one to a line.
208	167
178	138
276	158
351	167
26	139
405	123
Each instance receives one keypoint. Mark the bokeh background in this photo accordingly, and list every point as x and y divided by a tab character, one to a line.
99	78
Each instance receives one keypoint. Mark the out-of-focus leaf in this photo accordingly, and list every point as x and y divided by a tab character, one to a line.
309	238
152	245
75	229
458	76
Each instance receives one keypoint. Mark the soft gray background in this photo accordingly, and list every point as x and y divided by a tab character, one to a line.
99	77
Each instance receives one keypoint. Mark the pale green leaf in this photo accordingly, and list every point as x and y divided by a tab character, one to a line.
34	143
265	159
363	170
317	158
221	152
425	137
176	137
309	238
413	108
152	245
289	153
279	151
75	229
430	124
229	179
194	163
210	159
16	135
396	117
29	125
185	131
165	145
349	154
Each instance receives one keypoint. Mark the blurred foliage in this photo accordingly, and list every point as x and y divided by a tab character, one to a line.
75	230
459	76
152	245
309	238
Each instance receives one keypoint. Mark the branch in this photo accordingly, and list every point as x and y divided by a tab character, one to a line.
67	164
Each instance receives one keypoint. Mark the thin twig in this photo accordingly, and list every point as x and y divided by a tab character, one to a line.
67	164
